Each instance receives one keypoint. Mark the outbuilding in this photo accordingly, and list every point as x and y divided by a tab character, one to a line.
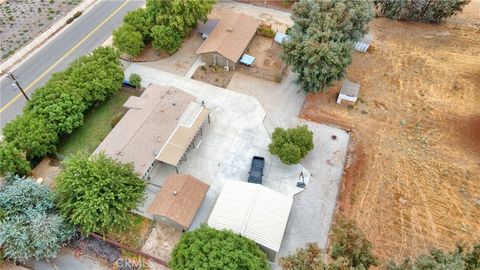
178	201
253	211
229	40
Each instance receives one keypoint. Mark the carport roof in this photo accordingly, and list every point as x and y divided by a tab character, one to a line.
179	199
188	126
253	211
146	127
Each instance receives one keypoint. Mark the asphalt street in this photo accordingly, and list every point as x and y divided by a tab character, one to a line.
79	38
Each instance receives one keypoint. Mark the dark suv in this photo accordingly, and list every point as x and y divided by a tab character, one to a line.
256	170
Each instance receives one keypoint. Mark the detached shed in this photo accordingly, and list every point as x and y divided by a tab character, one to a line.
227	42
178	201
348	92
253	211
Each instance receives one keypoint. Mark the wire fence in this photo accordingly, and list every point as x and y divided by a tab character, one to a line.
39	40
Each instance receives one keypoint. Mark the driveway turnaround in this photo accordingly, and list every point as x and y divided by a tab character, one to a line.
239	129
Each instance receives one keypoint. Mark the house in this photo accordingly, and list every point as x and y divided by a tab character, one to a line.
178	201
253	211
159	126
229	40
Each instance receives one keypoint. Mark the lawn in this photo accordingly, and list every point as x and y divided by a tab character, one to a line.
98	122
137	233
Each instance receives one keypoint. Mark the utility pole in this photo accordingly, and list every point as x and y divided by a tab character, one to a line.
12	76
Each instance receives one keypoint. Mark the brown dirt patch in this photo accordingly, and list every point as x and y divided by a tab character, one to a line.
267	53
217	76
275	4
411	181
149	54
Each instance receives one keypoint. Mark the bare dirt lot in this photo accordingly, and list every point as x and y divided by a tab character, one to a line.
22	20
412	179
267	53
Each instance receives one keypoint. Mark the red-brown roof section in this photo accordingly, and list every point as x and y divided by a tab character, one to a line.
179	199
231	36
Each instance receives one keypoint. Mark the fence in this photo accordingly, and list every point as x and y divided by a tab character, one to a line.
39	40
275	76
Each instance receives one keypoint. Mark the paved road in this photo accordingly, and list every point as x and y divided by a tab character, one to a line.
82	36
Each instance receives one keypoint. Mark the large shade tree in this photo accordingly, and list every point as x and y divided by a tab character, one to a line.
209	249
97	193
322	37
30	226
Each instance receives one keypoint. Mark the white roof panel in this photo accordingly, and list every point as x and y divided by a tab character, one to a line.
253	211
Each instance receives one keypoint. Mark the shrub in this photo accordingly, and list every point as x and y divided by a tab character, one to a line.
13	160
206	248
420	10
77	14
350	247
135	80
97	193
291	145
308	258
460	258
266	31
128	40
30	227
30	134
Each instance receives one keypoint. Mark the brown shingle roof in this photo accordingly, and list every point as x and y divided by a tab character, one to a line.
146	127
179	199
231	36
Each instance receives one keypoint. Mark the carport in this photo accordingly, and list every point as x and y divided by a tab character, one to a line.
183	137
253	211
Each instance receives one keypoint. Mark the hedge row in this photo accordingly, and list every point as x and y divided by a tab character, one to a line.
164	23
57	108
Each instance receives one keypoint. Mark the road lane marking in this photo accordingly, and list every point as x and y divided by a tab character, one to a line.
63	57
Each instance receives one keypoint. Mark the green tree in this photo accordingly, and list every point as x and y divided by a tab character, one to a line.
432	11
30	227
13	160
166	38
322	37
308	258
61	108
291	145
30	134
349	246
135	80
179	15
437	259
207	249
128	40
141	20
97	193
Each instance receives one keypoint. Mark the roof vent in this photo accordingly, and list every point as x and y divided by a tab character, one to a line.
175	193
229	30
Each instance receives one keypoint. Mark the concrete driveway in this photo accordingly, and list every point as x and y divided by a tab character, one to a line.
242	118
313	209
225	150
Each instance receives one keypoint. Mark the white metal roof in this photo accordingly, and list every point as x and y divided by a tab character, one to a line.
253	211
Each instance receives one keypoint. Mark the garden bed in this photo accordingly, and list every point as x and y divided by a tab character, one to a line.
213	75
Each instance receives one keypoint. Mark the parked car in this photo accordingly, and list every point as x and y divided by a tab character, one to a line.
256	170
